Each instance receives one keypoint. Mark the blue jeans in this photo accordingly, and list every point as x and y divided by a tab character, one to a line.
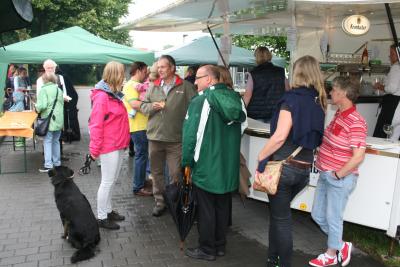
141	145
292	181
330	199
51	147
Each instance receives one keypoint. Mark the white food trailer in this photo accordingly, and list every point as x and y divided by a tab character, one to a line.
311	27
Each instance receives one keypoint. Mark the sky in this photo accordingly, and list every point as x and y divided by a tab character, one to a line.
155	41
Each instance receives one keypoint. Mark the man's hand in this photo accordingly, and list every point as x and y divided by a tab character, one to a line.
159	105
135	104
379	86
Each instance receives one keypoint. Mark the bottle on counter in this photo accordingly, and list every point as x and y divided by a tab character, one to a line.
364	57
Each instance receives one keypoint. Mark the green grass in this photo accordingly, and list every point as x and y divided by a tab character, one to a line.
375	242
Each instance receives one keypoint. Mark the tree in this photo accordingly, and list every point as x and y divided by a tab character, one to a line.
97	16
276	44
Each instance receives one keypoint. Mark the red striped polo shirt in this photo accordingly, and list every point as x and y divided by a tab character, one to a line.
347	130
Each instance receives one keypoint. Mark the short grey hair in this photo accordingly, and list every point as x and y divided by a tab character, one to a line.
49	62
350	86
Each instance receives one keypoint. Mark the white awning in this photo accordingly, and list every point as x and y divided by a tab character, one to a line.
259	16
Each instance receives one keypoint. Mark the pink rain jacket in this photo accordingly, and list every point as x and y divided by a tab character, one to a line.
108	124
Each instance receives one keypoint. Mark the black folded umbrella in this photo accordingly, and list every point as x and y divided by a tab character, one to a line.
180	200
86	166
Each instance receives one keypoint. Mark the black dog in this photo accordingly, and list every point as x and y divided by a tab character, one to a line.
80	225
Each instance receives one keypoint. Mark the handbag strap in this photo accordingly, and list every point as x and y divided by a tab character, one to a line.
55	101
295	153
54	105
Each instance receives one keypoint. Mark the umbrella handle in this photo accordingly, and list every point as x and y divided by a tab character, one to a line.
181	245
187	175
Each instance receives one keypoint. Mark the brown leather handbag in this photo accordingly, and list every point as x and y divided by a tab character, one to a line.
268	180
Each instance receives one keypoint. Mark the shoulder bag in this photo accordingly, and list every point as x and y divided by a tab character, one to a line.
42	124
268	180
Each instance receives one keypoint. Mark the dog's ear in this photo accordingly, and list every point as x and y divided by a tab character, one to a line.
52	172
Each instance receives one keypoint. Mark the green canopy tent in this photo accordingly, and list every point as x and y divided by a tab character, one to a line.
202	51
69	46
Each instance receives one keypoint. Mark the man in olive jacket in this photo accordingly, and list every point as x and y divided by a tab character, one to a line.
211	148
166	104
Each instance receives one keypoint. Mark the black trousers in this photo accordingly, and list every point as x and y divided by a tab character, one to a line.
213	217
389	105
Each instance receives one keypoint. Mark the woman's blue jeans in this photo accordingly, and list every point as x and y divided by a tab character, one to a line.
292	181
330	199
51	147
141	145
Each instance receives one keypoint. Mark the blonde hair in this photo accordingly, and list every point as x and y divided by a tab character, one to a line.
225	76
306	72
114	75
262	55
153	72
49	77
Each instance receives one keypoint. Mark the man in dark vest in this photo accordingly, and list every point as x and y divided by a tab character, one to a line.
265	86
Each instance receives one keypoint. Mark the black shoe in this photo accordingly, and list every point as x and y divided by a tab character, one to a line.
197	253
220	252
108	224
158	211
272	262
114	216
44	169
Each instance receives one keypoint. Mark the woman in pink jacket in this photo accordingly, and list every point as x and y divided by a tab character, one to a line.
109	137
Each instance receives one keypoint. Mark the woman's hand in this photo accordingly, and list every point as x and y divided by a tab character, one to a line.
93	157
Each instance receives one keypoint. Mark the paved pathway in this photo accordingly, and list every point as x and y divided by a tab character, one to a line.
30	227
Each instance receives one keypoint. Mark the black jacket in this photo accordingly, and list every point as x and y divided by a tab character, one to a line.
268	88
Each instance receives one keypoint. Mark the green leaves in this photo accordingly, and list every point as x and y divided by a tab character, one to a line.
276	44
97	16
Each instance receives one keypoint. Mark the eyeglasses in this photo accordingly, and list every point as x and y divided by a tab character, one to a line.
199	77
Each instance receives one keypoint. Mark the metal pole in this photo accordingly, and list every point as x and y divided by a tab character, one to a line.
393	29
216	46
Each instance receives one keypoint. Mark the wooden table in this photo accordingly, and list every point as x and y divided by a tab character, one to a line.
18	124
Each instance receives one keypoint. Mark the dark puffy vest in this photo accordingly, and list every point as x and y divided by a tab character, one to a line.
268	88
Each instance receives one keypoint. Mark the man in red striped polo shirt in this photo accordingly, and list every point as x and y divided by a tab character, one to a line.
341	152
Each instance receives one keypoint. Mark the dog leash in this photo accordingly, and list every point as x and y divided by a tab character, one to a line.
86	166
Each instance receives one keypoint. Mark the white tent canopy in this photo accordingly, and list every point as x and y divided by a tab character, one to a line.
259	17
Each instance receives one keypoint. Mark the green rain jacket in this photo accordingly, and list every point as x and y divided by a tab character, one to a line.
211	139
45	102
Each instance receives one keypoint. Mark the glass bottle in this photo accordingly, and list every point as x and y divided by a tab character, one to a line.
364	57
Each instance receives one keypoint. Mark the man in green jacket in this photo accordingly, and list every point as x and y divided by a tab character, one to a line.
211	148
166	104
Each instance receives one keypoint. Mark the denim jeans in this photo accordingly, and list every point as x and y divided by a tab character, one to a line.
140	144
330	199
292	181
51	147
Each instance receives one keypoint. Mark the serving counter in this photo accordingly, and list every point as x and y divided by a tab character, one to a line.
376	200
